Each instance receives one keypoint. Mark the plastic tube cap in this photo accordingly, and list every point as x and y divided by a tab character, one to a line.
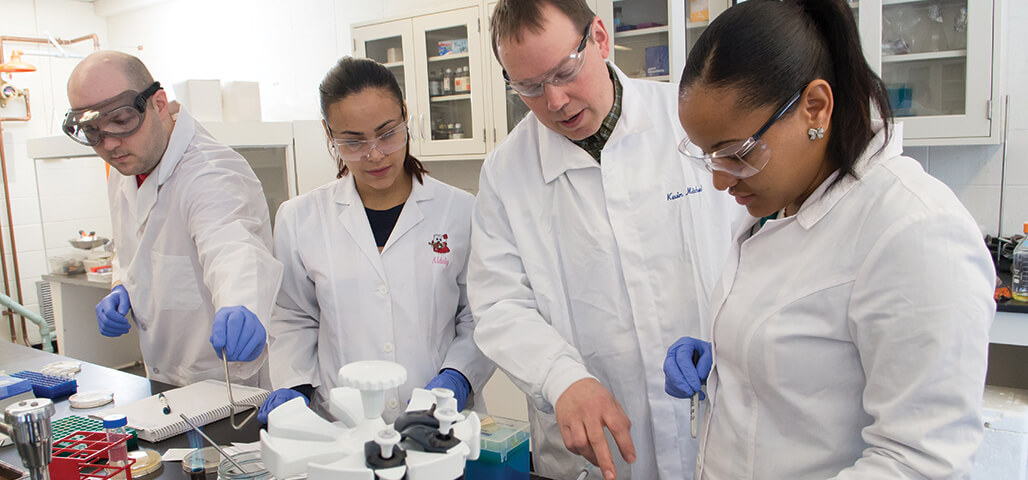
115	421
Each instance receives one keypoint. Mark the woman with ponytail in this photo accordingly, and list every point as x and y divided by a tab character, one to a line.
375	261
849	331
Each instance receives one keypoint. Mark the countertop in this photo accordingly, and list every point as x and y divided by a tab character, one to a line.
1010	305
77	279
127	388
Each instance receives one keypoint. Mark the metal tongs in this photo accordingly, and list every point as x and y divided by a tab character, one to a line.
232	403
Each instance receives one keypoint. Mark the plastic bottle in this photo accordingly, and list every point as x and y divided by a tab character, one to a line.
114	427
448	82
434	84
959	41
1019	269
458	80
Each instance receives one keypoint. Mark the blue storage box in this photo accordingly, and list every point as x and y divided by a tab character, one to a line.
657	61
47	386
448	47
504	454
12	386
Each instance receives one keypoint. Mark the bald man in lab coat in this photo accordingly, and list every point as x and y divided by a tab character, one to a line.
191	225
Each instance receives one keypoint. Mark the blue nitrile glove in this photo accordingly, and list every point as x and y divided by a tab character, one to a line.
682	378
111	311
278	397
454	381
239	332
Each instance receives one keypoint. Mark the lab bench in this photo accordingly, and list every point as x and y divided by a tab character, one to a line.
74	300
127	388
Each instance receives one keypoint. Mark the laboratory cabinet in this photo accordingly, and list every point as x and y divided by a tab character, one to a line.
438	60
939	59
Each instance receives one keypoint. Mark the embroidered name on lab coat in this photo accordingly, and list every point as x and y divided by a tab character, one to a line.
689	191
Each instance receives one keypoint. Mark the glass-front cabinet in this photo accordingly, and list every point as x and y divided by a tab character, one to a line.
641	46
392	45
507	107
936	59
437	60
649	36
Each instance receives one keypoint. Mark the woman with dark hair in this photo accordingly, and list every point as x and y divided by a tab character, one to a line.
850	326
375	261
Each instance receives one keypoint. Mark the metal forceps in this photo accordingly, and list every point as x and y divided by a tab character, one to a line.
232	403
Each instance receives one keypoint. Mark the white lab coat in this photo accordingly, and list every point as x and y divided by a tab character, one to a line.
582	270
343	301
850	339
193	238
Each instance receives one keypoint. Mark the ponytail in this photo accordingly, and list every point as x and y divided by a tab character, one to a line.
766	50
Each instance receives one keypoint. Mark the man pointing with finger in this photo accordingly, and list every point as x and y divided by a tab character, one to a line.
594	244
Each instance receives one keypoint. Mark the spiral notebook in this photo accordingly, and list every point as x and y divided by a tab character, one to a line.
203	402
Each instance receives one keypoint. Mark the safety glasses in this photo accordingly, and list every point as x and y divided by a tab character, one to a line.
565	72
119	116
741	159
353	150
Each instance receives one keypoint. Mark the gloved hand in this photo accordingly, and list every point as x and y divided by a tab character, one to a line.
111	311
278	397
239	332
683	379
454	381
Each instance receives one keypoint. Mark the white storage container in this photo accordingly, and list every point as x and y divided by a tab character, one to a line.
201	98
1003	454
241	101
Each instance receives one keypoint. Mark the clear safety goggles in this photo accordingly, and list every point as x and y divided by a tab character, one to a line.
740	159
119	116
353	150
565	72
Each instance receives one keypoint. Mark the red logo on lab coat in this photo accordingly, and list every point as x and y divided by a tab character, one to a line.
438	243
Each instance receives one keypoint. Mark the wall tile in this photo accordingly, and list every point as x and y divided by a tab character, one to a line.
1017	159
1015	209
31	265
25	211
29	238
970	165
920	154
983	204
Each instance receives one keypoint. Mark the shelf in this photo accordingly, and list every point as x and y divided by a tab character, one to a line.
452	98
656	78
692	25
452	56
641	31
886	3
916	57
393	64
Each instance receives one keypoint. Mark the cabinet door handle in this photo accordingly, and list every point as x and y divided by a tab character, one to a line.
421	126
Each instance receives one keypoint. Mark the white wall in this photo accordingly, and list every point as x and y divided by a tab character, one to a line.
975	173
285	46
33	18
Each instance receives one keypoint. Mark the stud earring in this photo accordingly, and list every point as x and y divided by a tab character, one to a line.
816	133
